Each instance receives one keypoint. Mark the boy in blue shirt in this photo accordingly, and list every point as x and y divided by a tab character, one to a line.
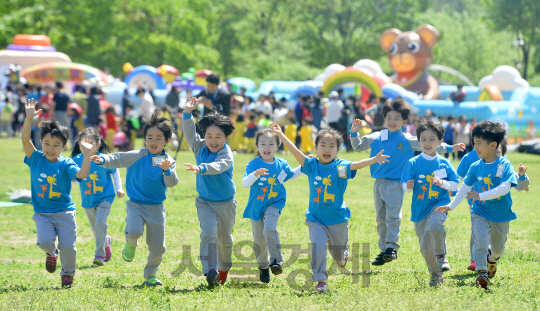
216	205
492	177
150	171
51	175
430	177
388	193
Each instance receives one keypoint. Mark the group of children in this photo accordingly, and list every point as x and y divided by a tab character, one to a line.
150	171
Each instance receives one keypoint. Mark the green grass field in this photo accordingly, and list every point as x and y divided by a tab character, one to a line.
402	284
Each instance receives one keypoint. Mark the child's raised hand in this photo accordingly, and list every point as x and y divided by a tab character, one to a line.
165	164
30	109
410	184
437	181
381	158
522	169
473	195
356	126
459	147
96	159
261	171
87	146
443	209
191	105
276	128
195	168
120	193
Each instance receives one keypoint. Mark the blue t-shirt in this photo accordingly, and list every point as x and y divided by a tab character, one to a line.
484	177
51	182
400	151
327	185
426	195
98	186
466	163
268	189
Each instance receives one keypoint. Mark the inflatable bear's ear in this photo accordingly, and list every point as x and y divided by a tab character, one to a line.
429	34
388	37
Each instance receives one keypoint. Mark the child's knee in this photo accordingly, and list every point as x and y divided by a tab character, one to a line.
133	234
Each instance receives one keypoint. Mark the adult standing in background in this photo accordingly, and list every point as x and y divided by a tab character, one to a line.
333	110
462	135
80	98
146	109
173	99
214	98
126	101
60	104
94	111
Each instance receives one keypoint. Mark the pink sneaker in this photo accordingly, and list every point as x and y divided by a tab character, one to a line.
50	263
67	281
472	266
108	252
322	287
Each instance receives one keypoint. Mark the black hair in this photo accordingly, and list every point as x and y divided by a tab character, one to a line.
267	116
93	133
240	118
450	118
330	132
489	131
268	132
372	97
216	119
252	117
426	125
399	105
292	120
93	90
213	78
162	123
460	86
54	128
111	108
139	91
59	85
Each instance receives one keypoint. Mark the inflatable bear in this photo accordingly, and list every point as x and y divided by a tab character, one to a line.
410	54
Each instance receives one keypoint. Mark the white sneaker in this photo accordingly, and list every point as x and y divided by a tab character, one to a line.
436	280
443	263
322	287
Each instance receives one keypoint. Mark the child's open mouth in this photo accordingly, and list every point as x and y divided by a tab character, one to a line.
327	156
266	153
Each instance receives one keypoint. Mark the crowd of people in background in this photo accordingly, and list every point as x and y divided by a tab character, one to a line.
301	120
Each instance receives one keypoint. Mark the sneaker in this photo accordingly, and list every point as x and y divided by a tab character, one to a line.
67	281
436	280
108	252
98	260
492	269
50	263
322	287
264	275
390	254
276	268
152	282
222	276
472	266
379	260
482	280
342	263
212	277
129	252
443	263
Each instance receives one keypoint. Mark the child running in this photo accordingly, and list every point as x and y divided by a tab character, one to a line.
216	205
492	177
430	177
387	189
50	179
97	193
267	197
327	215
150	171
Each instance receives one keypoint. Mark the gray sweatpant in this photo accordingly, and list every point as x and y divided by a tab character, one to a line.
266	237
153	216
216	220
432	238
471	241
64	225
97	217
337	237
388	196
488	233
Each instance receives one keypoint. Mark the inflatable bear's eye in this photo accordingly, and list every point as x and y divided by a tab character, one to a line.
393	49
413	47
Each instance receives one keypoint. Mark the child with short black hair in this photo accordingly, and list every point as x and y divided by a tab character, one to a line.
492	177
216	205
388	192
327	215
431	169
150	171
97	194
266	173
251	129
51	175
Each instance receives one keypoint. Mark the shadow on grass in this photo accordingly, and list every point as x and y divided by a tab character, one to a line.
22	288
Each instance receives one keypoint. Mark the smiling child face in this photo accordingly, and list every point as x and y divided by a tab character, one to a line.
429	142
327	149
267	147
215	138
155	140
52	147
394	121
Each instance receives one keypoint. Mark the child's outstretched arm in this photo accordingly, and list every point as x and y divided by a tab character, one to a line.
87	148
522	179
188	127
364	143
379	158
223	162
118	184
300	157
119	159
31	112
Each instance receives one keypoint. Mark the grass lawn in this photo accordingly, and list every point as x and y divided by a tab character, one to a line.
402	284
